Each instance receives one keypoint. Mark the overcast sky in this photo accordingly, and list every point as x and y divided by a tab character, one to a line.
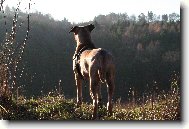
85	10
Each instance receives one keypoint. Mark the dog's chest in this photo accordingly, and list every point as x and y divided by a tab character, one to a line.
82	63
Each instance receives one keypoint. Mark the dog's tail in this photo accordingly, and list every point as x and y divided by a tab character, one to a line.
102	68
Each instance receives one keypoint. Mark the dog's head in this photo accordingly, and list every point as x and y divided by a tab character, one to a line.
82	34
77	29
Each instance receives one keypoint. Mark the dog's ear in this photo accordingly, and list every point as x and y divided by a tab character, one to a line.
73	29
90	27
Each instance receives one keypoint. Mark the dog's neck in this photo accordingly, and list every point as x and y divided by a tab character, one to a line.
81	46
83	40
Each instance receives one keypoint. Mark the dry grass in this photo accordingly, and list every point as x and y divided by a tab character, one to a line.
55	107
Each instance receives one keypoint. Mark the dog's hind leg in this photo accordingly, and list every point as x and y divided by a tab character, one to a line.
94	87
79	90
110	88
99	96
93	94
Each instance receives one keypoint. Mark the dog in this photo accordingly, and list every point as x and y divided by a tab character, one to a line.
93	64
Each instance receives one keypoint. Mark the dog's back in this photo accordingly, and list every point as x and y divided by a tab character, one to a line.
99	62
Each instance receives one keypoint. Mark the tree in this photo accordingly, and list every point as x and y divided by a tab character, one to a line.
96	24
123	17
150	16
132	18
165	18
142	19
173	17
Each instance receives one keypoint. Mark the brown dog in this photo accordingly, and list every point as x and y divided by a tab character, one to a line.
95	64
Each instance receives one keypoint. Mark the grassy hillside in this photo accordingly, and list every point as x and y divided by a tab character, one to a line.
36	57
57	107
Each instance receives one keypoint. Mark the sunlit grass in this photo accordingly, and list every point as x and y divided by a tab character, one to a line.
56	107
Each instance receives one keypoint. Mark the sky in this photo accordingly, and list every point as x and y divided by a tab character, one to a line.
86	10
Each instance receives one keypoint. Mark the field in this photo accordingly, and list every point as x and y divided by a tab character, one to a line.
36	56
57	107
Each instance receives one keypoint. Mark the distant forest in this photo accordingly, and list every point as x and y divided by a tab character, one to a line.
146	48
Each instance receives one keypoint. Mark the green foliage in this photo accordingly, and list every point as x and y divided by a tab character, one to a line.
146	49
164	106
52	107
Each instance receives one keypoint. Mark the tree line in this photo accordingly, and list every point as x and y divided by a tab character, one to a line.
147	51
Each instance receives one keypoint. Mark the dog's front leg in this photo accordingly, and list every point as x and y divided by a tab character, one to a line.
79	90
